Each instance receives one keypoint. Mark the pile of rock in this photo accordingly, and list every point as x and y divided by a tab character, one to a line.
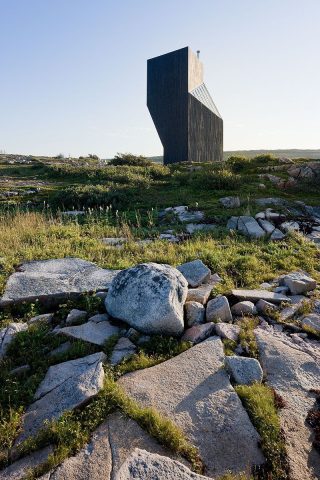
275	225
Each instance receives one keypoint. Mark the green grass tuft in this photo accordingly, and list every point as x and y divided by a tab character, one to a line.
259	401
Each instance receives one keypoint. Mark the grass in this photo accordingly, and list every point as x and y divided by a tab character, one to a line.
157	350
247	337
259	401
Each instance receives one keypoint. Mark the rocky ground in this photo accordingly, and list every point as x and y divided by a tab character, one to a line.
196	390
116	364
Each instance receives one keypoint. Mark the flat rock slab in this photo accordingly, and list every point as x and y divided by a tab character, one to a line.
53	281
195	272
8	333
256	295
22	467
144	465
292	372
111	444
194	391
66	386
92	332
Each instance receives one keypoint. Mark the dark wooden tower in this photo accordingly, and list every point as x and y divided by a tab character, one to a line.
185	116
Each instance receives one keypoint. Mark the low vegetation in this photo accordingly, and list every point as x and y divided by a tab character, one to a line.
259	401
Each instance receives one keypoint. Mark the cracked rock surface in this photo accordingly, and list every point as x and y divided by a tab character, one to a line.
53	281
292	371
194	391
66	386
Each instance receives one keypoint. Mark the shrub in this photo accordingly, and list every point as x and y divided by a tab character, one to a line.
211	179
130	159
90	196
238	163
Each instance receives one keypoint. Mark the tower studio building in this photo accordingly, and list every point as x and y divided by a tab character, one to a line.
188	123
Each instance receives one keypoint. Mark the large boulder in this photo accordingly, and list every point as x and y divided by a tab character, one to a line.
194	391
150	297
54	281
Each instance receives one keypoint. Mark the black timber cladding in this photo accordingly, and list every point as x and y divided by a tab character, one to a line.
186	118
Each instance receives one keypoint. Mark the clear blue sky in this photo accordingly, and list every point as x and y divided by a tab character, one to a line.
73	72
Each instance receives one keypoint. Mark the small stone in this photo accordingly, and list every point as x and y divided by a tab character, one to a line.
290	226
260	216
255	295
92	332
45	318
20	370
268	227
198	333
194	313
123	349
99	317
277	235
243	308
227	330
232	223
250	227
299	283
230	202
311	321
195	272
8	333
76	316
63	348
218	310
202	293
169	237
283	290
101	295
114	241
244	370
314	236
265	307
132	334
265	285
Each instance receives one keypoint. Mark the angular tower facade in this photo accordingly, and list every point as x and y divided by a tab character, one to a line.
187	121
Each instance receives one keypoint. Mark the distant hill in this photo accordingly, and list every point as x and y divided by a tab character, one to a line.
291	153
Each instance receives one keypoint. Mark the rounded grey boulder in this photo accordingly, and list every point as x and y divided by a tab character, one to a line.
149	297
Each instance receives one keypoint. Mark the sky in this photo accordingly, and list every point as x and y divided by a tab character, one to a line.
73	72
